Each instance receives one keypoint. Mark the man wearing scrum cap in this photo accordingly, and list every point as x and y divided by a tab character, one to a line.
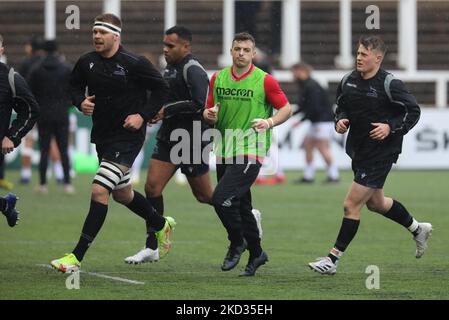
124	91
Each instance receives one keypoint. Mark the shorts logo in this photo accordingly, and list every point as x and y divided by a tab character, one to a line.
228	202
190	169
363	175
117	154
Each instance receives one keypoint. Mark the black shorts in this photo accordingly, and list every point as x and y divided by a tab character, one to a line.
123	153
371	176
190	168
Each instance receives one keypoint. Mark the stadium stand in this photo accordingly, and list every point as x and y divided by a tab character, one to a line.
144	22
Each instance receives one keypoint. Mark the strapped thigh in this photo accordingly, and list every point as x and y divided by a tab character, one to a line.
124	181
108	175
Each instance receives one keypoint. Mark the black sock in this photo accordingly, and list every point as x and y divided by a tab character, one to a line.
347	232
140	206
92	225
157	203
399	214
2	204
143	208
151	241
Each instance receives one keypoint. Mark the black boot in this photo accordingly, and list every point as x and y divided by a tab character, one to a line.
253	264
233	256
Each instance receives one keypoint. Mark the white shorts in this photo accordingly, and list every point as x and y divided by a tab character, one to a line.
321	130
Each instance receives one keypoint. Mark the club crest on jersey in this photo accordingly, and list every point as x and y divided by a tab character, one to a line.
372	92
120	70
170	74
91	65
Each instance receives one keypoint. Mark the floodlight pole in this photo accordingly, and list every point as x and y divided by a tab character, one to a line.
169	14
50	19
345	60
112	6
228	32
290	33
407	35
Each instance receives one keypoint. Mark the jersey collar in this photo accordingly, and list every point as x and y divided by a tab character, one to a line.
243	76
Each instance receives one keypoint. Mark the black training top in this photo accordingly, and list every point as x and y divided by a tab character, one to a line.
314	102
24	105
121	86
366	101
189	86
49	81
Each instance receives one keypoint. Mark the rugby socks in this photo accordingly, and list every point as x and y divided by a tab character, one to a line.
157	203
26	173
347	232
92	225
138	205
332	172
58	170
399	214
142	207
309	172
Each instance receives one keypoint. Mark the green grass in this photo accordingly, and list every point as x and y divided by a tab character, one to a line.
300	223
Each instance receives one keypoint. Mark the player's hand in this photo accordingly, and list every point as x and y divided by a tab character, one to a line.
211	114
7	145
380	132
133	122
261	125
88	105
342	125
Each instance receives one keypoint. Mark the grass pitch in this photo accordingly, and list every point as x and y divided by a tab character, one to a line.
300	223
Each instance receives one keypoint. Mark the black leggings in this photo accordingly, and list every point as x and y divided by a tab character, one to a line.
232	202
60	130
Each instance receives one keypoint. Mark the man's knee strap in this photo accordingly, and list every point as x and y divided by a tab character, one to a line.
108	175
124	181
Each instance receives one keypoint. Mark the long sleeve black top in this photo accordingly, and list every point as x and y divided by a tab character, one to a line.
24	104
189	85
123	84
363	102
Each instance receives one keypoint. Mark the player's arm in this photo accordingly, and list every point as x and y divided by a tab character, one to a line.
77	85
27	111
277	99
341	117
283	114
301	110
150	78
198	84
210	112
408	109
310	100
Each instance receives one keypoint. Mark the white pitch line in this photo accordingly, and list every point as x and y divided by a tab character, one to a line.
99	275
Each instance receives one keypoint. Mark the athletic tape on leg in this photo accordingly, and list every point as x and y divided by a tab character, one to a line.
125	181
108	175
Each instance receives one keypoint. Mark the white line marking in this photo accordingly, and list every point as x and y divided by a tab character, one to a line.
99	275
